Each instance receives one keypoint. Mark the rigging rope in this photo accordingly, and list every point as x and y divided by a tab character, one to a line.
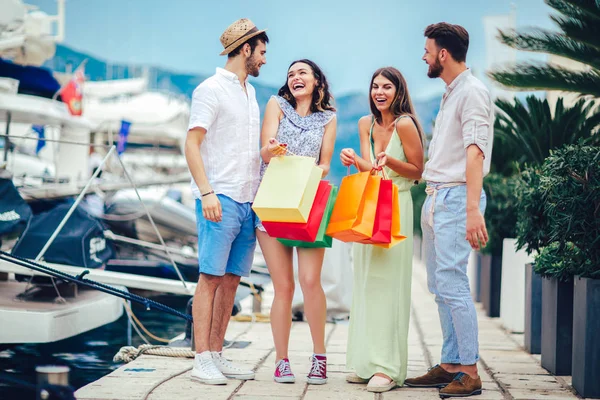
149	304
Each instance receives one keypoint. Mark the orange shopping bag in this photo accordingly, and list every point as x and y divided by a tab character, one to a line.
353	215
386	230
396	236
382	228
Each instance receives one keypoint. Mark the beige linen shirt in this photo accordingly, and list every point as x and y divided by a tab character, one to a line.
466	117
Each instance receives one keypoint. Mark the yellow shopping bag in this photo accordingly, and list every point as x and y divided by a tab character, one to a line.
288	189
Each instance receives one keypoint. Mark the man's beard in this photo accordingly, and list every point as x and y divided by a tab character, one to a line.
252	67
435	70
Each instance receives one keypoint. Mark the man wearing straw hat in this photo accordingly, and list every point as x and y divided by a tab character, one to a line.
222	152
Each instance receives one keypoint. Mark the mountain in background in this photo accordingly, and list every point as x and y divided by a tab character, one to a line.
350	107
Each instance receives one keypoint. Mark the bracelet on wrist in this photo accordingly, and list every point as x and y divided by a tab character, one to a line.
207	193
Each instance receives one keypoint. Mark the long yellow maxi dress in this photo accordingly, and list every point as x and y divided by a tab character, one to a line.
380	313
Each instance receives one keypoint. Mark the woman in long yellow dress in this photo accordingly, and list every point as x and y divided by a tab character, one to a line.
390	138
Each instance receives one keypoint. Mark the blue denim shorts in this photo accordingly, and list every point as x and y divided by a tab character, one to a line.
226	247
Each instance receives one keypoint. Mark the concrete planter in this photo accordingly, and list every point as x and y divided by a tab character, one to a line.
533	311
557	326
586	339
491	274
512	293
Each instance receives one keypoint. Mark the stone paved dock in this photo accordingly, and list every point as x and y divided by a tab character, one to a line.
507	371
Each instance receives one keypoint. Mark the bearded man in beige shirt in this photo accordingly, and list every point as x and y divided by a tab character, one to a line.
452	219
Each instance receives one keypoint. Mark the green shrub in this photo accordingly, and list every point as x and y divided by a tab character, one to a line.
559	213
532	227
501	210
504	155
561	260
418	197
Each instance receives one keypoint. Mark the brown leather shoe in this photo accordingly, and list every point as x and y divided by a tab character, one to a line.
462	386
436	377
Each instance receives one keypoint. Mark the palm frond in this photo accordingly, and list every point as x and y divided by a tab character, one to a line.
503	154
567	124
580	30
531	131
526	76
519	124
541	115
592	124
579	21
543	41
577	8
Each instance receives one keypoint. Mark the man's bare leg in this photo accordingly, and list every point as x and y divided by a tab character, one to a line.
223	304
202	310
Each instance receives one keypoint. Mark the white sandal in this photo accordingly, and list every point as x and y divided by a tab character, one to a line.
354	378
379	384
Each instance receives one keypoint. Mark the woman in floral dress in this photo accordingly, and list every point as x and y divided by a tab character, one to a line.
302	120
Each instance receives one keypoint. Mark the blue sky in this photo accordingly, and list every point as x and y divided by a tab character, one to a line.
349	39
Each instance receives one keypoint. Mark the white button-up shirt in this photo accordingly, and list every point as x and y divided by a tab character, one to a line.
230	150
466	117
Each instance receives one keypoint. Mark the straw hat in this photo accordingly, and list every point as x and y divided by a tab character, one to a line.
237	33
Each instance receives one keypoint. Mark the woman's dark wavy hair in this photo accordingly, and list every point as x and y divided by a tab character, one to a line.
402	104
321	98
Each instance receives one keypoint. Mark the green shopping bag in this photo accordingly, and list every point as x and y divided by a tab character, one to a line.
322	239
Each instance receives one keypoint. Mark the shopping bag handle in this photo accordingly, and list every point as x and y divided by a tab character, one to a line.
355	166
375	171
287	150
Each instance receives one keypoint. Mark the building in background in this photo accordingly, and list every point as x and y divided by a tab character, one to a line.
499	55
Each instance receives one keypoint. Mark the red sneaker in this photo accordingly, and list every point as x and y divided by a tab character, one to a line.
318	371
283	372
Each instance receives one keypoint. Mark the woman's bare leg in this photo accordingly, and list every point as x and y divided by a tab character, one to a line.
310	263
279	263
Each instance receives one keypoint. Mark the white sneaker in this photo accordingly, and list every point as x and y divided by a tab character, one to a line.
205	370
229	369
